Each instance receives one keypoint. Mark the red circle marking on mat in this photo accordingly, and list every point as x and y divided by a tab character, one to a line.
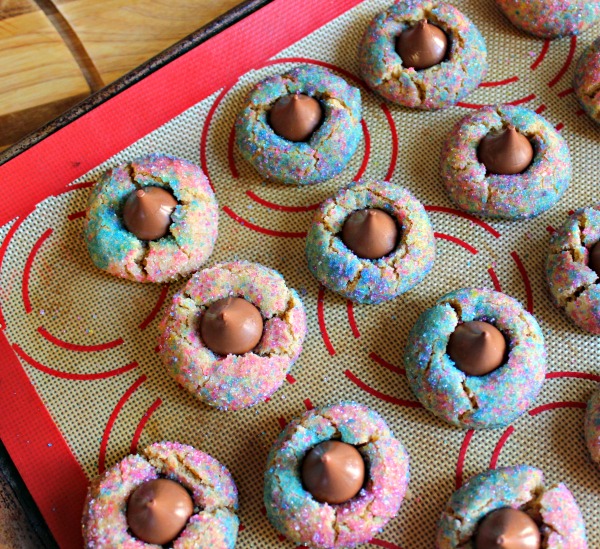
495	280
351	319
462	454
66	375
204	135
566	64
230	157
394	133
3	247
501	442
556	405
76	187
138	432
76	215
499	82
458	241
384	544
76	347
290	379
391	367
280	207
365	161
159	303
525	277
321	318
566	92
541	55
465	215
262	230
514	103
113	418
27	269
579	375
378	394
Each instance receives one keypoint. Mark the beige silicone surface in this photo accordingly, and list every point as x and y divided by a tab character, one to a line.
74	302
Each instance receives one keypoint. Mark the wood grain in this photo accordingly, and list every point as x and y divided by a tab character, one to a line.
37	68
124	33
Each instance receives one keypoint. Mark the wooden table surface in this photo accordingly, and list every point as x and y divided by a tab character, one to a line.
54	54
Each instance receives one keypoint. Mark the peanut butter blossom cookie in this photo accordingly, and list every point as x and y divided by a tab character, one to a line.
300	127
232	334
587	80
152	220
370	242
335	477
573	268
510	507
592	426
505	162
171	495
551	18
476	359
426	55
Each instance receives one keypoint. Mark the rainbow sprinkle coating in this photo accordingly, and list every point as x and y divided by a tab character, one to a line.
363	280
520	487
592	426
517	196
192	233
586	80
328	149
437	87
214	524
476	402
572	283
550	18
297	515
233	382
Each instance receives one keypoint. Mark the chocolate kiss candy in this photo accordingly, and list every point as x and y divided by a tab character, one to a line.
370	233
508	528
231	326
158	510
476	347
594	258
147	212
506	152
333	472
295	117
422	46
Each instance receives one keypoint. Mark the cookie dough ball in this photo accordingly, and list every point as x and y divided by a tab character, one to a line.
300	127
572	269
467	398
587	80
592	426
370	218
112	510
132	233
551	18
304	517
552	508
479	189
207	365
403	58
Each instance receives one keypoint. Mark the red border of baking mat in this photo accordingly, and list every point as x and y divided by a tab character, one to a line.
54	477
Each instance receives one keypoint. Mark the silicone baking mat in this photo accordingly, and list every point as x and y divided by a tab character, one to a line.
81	382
